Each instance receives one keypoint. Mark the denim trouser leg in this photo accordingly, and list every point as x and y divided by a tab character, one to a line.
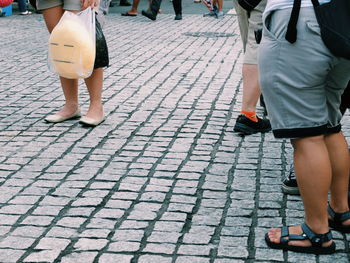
177	7
22	5
155	6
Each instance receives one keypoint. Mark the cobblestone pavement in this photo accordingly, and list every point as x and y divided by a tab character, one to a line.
164	178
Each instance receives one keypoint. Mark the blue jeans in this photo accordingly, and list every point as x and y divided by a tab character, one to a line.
22	5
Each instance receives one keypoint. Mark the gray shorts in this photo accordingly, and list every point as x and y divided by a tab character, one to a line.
67	4
302	82
247	26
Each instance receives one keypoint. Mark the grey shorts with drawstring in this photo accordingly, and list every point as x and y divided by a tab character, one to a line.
302	83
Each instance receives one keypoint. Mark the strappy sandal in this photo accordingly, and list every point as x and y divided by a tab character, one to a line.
337	219
316	241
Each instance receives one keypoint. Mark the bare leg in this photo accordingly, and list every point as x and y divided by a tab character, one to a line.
339	156
69	86
94	85
251	89
133	10
220	4
317	171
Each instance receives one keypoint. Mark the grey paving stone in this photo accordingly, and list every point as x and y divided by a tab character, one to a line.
10	255
187	259
8	219
28	231
154	258
43	256
108	257
48	243
90	244
124	246
128	235
79	257
16	242
200	250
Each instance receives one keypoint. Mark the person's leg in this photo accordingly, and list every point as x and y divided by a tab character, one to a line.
153	10
339	156
177	5
133	10
94	84
219	13
251	89
22	6
69	86
321	163
248	122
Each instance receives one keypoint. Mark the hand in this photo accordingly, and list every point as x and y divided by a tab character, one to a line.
89	3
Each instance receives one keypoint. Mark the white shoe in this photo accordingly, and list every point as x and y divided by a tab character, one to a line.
86	121
56	118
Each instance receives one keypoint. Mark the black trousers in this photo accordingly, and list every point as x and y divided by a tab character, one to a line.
155	6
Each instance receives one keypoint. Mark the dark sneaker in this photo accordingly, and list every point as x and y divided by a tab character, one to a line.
290	185
246	126
178	17
149	15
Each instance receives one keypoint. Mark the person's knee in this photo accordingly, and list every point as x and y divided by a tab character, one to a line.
307	141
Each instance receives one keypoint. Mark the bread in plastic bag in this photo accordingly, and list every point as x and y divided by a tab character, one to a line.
72	45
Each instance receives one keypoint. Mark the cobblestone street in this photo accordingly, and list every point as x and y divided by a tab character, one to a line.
164	179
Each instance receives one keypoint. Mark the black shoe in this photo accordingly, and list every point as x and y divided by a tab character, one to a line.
178	17
124	3
246	126
290	185
149	15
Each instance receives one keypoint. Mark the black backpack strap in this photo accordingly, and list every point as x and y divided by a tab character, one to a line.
291	35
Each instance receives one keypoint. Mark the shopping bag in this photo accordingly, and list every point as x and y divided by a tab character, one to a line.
102	58
72	45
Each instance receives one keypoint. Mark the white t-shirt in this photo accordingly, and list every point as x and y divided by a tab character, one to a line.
282	4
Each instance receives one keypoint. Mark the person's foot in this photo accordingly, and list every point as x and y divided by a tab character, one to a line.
67	113
289	184
128	13
211	13
93	117
124	3
25	13
246	126
149	15
274	236
219	14
178	17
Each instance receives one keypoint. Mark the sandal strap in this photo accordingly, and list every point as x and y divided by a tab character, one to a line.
338	218
285	234
316	239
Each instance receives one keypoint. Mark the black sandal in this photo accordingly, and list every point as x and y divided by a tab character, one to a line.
316	241
337	219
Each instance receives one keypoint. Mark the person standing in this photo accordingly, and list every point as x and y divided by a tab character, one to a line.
302	83
155	6
23	8
250	23
52	12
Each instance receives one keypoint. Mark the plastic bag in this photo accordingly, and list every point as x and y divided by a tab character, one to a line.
102	59
72	46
